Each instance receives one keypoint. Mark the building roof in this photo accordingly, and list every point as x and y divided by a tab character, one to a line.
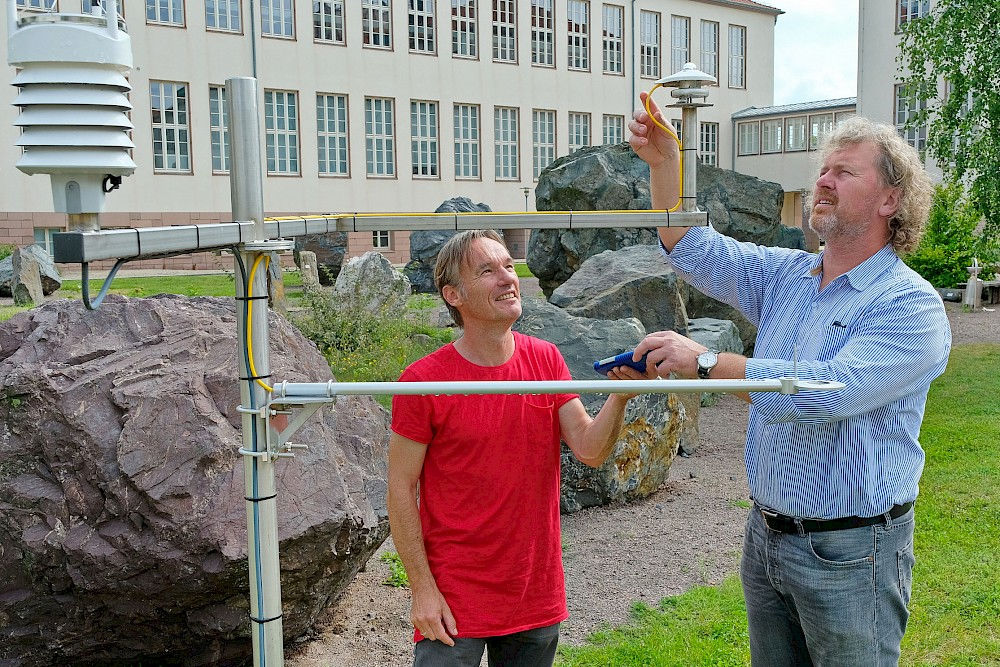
747	4
797	107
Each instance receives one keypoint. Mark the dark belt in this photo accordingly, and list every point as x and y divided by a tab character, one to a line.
786	524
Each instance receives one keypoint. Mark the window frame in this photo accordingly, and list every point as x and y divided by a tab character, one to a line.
430	26
432	151
739	137
324	136
537	146
54	7
514	157
508	28
371	137
615	41
467	140
816	138
917	136
678	21
176	127
912	9
543	33
384	10
578	32
708	143
801	121
779	124
239	18
317	26
471	27
650	65
272	35
170	23
377	235
577	121
221	128
713	52
620	132
740	58
276	133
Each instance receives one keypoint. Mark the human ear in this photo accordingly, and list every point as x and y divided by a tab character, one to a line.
890	205
451	295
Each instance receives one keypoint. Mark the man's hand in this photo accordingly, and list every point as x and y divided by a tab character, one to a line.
629	373
648	141
670	352
432	617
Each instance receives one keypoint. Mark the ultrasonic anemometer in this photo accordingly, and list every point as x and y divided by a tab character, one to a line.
71	71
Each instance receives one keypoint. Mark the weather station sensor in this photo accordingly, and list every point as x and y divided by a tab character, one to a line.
71	74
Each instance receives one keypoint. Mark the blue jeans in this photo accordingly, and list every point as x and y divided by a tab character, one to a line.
831	599
530	648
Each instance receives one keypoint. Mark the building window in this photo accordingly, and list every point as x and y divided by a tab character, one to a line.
649	44
281	128
505	134
543	139
614	43
466	141
680	42
737	56
277	18
907	106
709	144
614	128
424	138
464	29
819	126
678	125
168	102
543	33
421	25
710	48
331	135
844	115
380	158
910	10
43	237
222	15
505	31
382	240
578	34
579	130
771	135
795	133
376	23
748	138
328	21
218	125
165	12
39	5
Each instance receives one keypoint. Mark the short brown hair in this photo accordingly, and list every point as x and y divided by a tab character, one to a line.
899	166
448	269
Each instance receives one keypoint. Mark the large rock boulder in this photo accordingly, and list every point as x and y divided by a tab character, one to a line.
425	245
122	516
26	285
329	249
370	283
47	271
635	281
655	424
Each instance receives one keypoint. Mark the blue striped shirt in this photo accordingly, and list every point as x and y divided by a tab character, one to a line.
880	329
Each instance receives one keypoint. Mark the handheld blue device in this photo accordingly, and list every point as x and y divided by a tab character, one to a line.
602	366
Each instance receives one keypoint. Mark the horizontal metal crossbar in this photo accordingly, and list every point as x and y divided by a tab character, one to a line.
302	393
79	247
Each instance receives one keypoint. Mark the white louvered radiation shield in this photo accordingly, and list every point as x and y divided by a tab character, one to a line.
71	71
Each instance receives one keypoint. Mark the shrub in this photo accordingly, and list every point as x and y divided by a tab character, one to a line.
6	250
952	240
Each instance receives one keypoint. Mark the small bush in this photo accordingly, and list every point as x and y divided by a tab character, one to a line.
952	240
6	250
397	573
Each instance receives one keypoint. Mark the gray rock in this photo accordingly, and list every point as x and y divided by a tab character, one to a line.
425	245
370	283
308	268
47	271
655	424
26	284
329	248
122	520
718	335
635	281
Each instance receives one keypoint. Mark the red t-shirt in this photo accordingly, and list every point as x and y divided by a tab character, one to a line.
489	489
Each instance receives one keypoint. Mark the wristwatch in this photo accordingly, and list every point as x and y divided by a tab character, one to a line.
706	362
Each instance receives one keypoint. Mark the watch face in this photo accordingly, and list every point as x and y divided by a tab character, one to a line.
708	359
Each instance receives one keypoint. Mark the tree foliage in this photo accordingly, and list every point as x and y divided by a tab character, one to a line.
951	241
959	42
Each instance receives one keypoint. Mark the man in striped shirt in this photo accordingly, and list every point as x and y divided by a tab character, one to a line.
828	547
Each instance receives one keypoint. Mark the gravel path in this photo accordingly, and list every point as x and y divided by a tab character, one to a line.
687	533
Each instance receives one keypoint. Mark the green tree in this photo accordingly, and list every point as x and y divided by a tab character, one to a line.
957	43
951	241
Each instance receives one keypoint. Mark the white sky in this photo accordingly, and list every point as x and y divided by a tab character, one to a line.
815	50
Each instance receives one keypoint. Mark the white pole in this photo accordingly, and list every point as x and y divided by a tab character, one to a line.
262	522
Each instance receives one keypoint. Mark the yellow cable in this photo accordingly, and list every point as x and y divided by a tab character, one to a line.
671	133
249	329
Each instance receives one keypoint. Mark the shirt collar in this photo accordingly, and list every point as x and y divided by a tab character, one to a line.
864	274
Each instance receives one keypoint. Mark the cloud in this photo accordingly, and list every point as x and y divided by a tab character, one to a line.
815	50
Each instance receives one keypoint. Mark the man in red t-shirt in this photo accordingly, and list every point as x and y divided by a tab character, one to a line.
482	550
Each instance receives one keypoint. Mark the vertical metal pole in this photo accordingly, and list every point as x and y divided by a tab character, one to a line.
689	153
262	525
11	18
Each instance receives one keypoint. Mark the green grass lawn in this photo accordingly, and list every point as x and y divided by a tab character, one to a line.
213	284
955	607
523	271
